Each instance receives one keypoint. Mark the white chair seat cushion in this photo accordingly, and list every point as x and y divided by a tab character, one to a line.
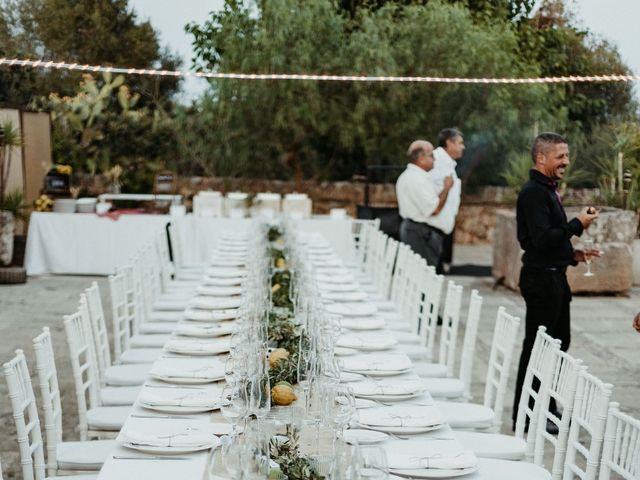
170	304
416	352
406	338
109	419
465	415
83	455
119	396
157	327
125	375
75	477
385	306
492	469
493	445
155	340
444	387
430	370
140	355
166	316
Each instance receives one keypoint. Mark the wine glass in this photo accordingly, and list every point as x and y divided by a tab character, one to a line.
260	395
233	404
373	463
588	249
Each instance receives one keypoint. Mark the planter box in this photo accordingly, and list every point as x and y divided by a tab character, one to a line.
614	231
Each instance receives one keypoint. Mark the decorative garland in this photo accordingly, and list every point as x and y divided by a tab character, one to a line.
287	455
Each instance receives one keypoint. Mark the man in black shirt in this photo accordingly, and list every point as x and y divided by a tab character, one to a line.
544	234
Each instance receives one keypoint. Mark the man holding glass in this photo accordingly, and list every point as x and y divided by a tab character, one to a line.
544	234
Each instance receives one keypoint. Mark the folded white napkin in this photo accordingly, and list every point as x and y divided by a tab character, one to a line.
335	287
405	416
222	282
347	309
219	291
363	323
389	388
197	346
215	303
436	461
210	315
216	330
376	363
204	398
354	296
366	341
190	437
328	278
225	272
181	370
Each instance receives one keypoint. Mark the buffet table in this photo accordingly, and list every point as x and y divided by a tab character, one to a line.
88	244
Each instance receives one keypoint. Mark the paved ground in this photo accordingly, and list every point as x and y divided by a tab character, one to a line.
602	337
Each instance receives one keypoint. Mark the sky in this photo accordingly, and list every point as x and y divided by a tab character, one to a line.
614	20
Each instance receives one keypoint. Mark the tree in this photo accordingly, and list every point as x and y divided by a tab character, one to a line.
333	129
96	32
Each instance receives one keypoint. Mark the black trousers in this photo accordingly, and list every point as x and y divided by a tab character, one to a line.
424	239
446	256
547	296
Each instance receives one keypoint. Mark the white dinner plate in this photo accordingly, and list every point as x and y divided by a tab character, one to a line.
363	323
227	262
354	296
171	450
222	282
380	373
346	309
363	436
364	403
347	377
198	315
220	331
433	472
225	272
178	408
404	430
187	380
344	351
391	398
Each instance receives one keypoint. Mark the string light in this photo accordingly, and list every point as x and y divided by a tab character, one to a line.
15	62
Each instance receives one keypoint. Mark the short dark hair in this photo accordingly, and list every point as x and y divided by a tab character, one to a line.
415	154
447	134
543	141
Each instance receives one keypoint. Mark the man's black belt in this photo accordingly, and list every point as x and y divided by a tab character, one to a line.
425	224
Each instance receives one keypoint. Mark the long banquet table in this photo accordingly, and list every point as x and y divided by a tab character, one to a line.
87	244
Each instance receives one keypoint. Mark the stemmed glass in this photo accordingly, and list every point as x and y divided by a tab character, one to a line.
260	395
589	248
233	404
373	463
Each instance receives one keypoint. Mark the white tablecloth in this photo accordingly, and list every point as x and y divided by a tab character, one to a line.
85	244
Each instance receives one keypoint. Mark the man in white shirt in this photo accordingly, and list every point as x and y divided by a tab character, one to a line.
419	200
450	150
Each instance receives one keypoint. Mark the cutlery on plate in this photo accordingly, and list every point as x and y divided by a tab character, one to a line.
157	457
179	417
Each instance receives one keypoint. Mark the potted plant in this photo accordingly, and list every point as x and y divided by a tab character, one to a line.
9	140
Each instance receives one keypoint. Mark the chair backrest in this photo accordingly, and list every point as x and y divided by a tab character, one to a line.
450	324
50	393
25	417
401	272
91	306
83	365
621	451
176	246
430	309
539	371
208	204
410	297
119	314
469	342
587	423
500	360
561	388
378	249
133	294
386	272
364	239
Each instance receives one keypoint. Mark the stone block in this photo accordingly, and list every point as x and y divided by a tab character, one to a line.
613	271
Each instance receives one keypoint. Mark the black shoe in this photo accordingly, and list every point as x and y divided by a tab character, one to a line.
552	428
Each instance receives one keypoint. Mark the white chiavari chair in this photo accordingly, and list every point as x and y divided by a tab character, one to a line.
521	445
25	416
621	450
62	457
122	327
587	428
183	271
385	277
208	204
108	374
488	416
459	387
562	389
94	419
